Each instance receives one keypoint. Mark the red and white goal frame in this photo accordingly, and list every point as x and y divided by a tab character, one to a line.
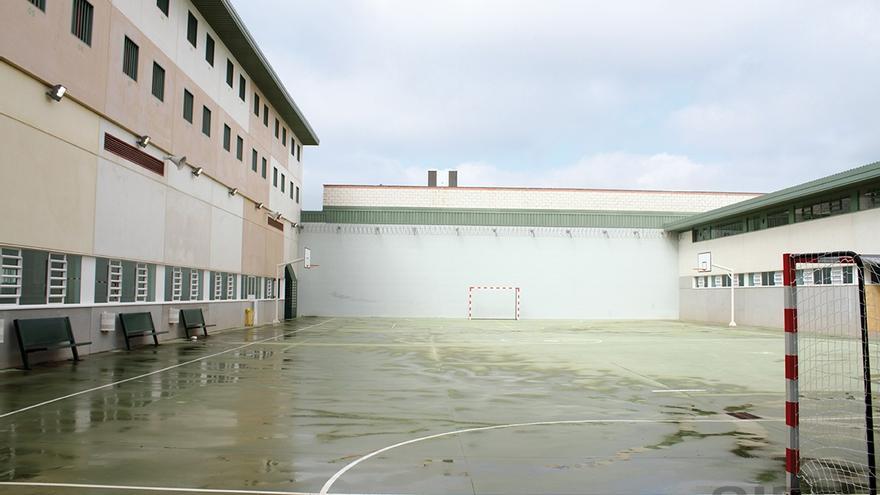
838	319
473	288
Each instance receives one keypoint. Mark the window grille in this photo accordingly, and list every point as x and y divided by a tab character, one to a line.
10	276
194	292
141	283
230	286
218	286
176	284
114	281
81	21
56	278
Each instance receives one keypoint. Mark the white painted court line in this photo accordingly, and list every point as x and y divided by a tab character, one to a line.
150	488
673	391
108	385
325	490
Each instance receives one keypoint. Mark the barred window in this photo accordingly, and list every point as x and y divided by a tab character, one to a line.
195	291
230	286
192	29
40	4
241	88
158	82
114	281
81	21
227	137
209	49
239	148
130	59
188	106
176	283
10	275
141	283
56	278
206	121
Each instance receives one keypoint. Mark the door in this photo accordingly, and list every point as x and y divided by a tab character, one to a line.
290	284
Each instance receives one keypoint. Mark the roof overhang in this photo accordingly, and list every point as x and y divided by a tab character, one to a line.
818	187
229	27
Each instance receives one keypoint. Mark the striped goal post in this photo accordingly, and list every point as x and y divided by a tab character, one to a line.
832	337
473	288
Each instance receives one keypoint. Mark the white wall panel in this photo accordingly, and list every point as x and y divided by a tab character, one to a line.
427	274
130	214
226	230
188	231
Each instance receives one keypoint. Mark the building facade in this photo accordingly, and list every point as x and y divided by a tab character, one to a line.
572	253
152	161
840	212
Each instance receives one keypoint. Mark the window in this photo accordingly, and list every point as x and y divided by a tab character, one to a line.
725	280
740	279
847	274
56	278
158	82
251	287
254	160
114	281
239	148
297	195
274	177
10	275
298	152
188	106
176	284
768	279
266	115
227	137
130	59
270	286
291	190
282	182
256	104
292	146
218	286
277	127
195	290
727	229
209	49
192	29
799	278
822	276
230	70
263	171
163	6
869	199
242	84
40	4
230	286
284	136
206	121
822	209
81	21
141	283
777	218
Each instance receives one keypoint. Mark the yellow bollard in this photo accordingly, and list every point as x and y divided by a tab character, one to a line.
248	317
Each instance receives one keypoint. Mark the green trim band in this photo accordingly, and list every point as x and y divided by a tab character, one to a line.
493	217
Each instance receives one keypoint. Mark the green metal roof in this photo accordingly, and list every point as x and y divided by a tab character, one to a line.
818	187
225	21
492	217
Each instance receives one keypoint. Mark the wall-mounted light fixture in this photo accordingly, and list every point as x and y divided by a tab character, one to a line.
259	206
56	92
197	171
232	191
143	141
278	216
180	161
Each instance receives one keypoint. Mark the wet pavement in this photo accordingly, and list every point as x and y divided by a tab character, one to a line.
622	407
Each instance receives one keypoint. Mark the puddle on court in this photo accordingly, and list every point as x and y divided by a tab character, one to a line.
280	417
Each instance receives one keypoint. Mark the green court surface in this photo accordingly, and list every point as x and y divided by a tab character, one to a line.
540	407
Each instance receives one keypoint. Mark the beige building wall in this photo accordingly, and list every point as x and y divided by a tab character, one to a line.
527	198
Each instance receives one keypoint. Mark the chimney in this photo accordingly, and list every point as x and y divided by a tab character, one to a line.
432	178
453	178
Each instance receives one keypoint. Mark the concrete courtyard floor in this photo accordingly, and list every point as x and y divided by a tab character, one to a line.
548	407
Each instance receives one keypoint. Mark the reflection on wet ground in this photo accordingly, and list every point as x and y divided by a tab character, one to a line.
284	408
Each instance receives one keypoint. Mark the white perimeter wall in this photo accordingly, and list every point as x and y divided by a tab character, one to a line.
589	273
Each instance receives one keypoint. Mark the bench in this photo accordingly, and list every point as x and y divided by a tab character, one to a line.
45	334
138	325
193	319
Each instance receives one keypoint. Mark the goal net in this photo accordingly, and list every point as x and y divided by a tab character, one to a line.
832	347
493	302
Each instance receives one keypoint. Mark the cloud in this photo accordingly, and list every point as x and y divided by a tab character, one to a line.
741	95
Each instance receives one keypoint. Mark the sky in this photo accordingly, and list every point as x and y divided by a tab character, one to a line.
686	95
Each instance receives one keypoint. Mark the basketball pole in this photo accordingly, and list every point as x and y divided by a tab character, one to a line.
732	300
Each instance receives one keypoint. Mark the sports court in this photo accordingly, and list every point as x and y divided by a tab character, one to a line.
372	405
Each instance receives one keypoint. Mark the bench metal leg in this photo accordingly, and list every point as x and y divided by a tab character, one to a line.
205	330
127	343
75	353
155	338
